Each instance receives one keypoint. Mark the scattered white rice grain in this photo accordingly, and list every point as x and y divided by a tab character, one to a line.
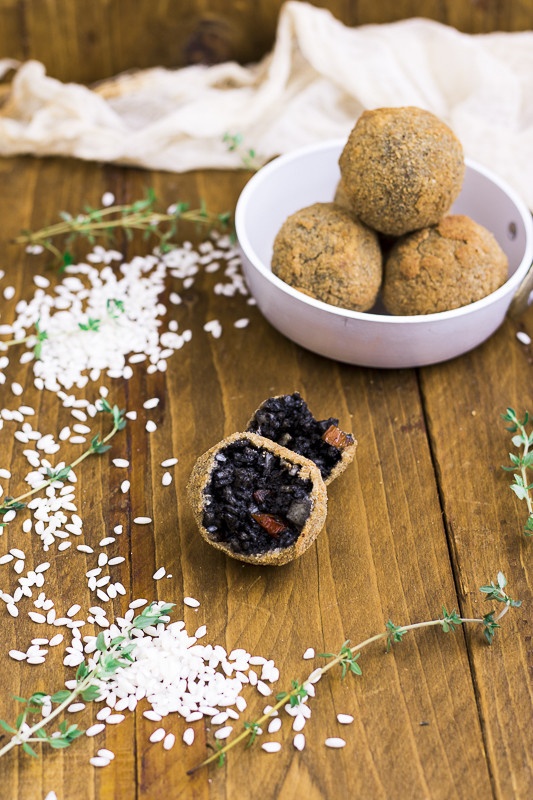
36	660
151	403
315	676
252	677
335	742
73	610
241	323
118	529
191	602
35	617
55	640
523	337
142	520
17	655
103	713
298	722
131	415
274	725
168	741
160	573
9	292
344	719
220	718
121	462
166	480
152	715
125	487
79	428
214	328
271	747
6	559
150	426
188	736
98	761
41	281
5	473
223	733
75	707
169	462
17	389
105	753
299	741
107	540
9	516
12	609
108	198
94	730
263	688
116	560
309	653
27	525
64	545
158	735
138	603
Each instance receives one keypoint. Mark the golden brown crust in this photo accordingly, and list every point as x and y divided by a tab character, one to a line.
323	251
402	168
446	266
347	456
201	475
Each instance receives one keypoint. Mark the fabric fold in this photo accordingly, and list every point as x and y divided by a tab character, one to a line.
318	78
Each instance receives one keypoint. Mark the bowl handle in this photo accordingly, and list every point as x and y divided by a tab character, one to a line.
521	299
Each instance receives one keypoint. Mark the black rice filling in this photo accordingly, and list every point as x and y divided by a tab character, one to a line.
288	421
248	480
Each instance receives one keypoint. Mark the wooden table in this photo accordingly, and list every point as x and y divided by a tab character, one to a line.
422	518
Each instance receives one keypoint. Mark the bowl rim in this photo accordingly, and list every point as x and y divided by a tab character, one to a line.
512	283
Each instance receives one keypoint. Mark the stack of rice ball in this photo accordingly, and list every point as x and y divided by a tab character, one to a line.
387	228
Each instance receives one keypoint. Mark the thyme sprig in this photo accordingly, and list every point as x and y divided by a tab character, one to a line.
97	446
108	658
235	144
101	224
523	462
347	659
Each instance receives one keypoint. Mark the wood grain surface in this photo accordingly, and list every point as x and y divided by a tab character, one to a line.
88	41
422	518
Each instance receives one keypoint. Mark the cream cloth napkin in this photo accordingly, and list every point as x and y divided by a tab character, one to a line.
318	78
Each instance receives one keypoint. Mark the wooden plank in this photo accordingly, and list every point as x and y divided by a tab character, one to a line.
464	400
86	42
383	554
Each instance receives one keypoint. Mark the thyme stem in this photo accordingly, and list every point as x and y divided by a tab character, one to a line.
97	446
19	738
346	655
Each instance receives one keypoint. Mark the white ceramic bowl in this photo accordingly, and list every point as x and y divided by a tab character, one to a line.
373	338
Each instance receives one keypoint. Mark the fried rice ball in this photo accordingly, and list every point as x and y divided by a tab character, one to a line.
439	268
402	168
323	251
